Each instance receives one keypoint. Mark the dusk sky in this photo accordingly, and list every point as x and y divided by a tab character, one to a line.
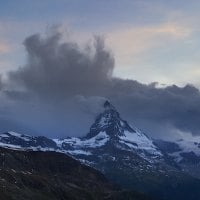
152	40
59	59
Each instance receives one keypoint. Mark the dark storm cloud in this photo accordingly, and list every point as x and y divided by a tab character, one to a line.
61	89
58	90
160	109
63	69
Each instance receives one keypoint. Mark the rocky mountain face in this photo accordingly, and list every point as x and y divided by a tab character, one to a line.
53	176
126	156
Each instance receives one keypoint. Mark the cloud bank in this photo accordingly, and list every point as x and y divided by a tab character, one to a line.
60	90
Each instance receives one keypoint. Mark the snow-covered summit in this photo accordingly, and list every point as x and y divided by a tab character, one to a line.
110	122
108	106
110	131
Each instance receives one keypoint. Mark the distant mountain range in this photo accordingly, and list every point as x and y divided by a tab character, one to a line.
126	156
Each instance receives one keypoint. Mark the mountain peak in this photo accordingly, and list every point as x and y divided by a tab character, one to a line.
109	121
107	105
111	131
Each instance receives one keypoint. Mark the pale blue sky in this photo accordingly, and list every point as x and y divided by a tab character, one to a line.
152	40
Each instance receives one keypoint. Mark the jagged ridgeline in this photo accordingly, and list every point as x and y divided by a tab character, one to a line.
126	156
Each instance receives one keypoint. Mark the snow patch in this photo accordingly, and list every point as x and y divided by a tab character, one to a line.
4	135
140	141
18	135
77	152
189	145
97	141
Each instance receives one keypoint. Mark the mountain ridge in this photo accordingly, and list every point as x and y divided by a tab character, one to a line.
124	154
